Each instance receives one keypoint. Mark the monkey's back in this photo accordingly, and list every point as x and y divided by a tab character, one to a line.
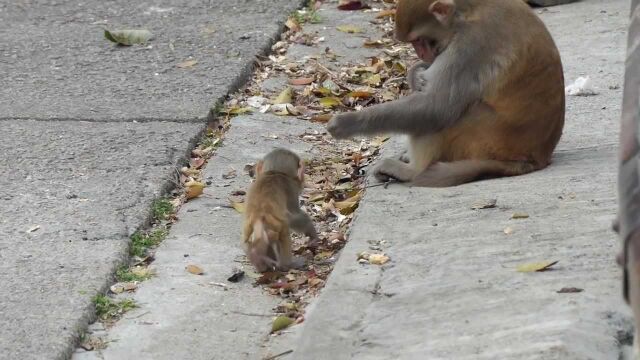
267	199
526	104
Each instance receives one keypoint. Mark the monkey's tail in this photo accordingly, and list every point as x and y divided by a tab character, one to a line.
260	231
443	174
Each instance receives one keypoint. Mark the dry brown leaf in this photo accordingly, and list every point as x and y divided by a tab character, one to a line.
187	64
569	290
360	94
230	175
349	29
196	163
292	25
386	13
373	44
484	204
352	5
348	206
238	206
142	271
240	110
322	118
379	140
373	80
329	102
519	215
378	259
194	269
533	267
285	97
194	189
301	81
281	322
203	153
190	172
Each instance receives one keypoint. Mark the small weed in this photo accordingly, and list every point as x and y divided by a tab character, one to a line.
140	241
210	141
125	274
109	309
161	209
307	15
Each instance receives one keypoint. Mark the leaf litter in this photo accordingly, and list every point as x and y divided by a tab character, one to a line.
315	88
334	177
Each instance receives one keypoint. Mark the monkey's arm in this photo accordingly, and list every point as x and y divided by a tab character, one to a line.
301	223
454	82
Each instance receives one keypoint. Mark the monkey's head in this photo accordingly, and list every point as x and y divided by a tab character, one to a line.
427	24
282	161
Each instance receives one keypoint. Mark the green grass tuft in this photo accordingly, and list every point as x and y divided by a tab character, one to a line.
124	274
140	241
161	209
108	309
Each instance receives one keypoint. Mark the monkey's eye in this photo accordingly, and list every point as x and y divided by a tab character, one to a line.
431	43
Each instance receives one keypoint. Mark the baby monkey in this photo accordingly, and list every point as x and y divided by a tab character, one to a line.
272	208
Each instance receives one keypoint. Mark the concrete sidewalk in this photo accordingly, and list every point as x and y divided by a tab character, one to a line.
452	290
92	133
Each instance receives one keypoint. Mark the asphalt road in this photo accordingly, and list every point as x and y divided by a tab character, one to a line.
92	133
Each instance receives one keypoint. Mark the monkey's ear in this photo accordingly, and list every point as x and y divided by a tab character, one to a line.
258	167
443	10
301	170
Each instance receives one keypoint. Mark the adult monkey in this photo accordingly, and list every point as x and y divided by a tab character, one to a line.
488	96
628	224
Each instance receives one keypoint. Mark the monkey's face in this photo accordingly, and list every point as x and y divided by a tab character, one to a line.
417	24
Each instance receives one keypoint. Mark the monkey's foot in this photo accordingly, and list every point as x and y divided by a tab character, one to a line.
389	169
297	263
404	157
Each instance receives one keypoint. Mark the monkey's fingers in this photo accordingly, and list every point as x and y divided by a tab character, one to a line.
343	126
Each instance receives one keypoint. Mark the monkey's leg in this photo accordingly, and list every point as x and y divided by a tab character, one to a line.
302	223
283	251
632	270
393	169
443	174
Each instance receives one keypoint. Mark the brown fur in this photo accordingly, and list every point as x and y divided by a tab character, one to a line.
524	114
511	125
272	209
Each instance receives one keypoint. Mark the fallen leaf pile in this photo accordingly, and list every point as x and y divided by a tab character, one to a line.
334	177
315	90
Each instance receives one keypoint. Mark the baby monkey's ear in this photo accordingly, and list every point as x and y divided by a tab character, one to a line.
301	170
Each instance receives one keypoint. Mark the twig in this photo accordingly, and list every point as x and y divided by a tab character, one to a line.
385	184
325	70
138	316
250	314
278	355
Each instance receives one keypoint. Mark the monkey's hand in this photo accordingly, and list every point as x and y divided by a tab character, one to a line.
415	76
344	125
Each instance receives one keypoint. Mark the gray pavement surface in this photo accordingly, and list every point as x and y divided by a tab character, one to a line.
451	290
56	64
74	189
183	316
